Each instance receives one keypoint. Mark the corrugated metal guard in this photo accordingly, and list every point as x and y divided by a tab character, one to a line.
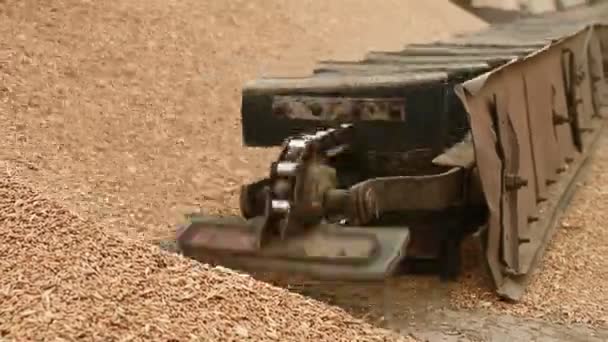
534	121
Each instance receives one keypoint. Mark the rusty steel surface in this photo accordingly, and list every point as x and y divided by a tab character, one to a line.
338	109
483	133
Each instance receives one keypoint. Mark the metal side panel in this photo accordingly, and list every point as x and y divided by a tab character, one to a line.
500	103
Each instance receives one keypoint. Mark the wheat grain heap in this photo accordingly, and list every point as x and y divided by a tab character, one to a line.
128	111
65	278
123	111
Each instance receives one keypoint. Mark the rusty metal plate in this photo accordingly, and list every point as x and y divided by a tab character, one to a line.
339	109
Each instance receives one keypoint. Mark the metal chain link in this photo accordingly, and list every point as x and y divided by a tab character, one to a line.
296	152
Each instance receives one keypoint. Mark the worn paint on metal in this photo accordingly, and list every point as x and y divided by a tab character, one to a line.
516	113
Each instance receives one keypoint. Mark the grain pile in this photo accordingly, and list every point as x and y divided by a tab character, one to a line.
127	111
571	286
65	278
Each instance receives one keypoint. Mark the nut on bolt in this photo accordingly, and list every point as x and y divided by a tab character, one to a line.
515	182
286	169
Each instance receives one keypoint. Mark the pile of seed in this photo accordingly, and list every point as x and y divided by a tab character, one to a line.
65	279
128	111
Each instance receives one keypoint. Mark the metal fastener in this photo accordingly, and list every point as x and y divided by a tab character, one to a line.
514	182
